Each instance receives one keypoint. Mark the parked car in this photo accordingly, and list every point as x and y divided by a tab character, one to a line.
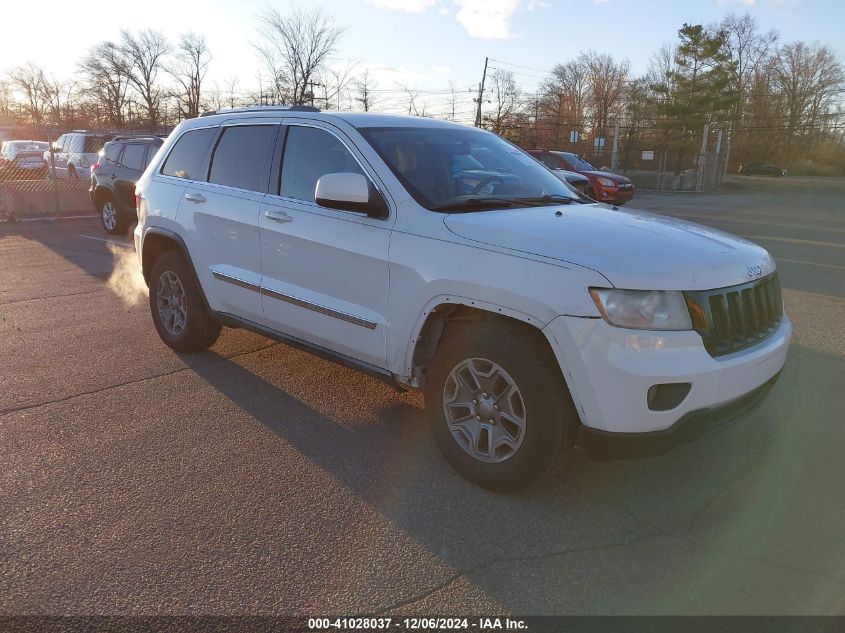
522	310
580	183
761	169
119	165
22	160
605	186
74	153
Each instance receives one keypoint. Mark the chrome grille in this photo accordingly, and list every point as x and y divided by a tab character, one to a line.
738	317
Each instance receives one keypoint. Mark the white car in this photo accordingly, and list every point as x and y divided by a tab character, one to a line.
523	310
74	153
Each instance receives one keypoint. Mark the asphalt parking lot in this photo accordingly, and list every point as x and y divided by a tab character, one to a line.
256	478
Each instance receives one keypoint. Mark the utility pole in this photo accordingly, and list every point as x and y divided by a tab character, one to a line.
481	93
614	161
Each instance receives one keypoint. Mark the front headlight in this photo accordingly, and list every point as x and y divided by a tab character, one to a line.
643	309
606	182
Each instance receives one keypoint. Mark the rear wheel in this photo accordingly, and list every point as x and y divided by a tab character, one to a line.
71	173
500	414
114	223
177	308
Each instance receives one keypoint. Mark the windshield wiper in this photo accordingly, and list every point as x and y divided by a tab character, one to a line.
547	199
473	204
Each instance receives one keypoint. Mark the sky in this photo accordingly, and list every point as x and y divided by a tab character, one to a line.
421	44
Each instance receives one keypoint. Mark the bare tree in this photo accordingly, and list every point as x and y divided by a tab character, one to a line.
5	99
506	100
295	48
335	83
563	98
412	100
30	83
364	87
142	59
809	77
607	79
452	100
189	69
104	82
749	51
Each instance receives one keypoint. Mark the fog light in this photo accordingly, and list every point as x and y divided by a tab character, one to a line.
667	396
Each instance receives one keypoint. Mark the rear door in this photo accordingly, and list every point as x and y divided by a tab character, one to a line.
221	216
325	271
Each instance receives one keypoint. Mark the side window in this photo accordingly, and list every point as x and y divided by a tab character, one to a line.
187	157
74	144
133	156
309	154
550	161
240	156
112	151
152	150
60	142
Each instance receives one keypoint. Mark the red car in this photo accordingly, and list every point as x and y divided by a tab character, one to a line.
604	186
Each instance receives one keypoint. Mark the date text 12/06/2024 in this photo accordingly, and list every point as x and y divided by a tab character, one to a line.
416	624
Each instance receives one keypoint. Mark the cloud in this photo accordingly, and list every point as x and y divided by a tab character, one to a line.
411	6
439	69
486	19
538	4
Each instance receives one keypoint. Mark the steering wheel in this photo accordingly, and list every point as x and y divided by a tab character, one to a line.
485	182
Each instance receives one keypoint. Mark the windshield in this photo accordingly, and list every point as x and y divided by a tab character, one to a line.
579	164
465	169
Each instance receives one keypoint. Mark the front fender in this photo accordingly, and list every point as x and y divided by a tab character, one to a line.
426	272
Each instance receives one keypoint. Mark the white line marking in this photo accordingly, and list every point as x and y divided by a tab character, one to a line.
102	239
715	218
59	219
793	240
799	261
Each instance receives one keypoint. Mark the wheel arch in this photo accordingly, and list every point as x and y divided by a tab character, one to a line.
432	322
157	241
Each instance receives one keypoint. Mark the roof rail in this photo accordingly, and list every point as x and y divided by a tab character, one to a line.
135	137
268	108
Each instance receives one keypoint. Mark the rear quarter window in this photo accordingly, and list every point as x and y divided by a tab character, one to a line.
187	157
133	156
112	150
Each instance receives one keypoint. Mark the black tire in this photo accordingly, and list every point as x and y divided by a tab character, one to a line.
551	420
118	225
71	173
200	330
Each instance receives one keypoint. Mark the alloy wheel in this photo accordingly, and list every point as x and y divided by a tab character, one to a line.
485	410
172	303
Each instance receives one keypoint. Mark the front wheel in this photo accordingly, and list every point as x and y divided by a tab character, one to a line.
501	414
177	307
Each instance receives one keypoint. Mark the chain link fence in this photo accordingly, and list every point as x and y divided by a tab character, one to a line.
47	173
655	164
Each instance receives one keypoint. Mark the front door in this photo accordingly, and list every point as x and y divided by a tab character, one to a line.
325	271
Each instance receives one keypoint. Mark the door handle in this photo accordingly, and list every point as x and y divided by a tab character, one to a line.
278	216
195	197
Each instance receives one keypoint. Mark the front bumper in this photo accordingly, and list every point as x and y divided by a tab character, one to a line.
609	371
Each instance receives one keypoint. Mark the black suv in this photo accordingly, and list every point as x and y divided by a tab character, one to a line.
113	178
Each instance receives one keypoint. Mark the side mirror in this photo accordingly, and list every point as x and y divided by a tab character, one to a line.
349	192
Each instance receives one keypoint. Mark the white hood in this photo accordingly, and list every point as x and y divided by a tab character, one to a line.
632	249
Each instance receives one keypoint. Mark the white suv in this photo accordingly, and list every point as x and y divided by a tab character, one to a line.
523	310
74	153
